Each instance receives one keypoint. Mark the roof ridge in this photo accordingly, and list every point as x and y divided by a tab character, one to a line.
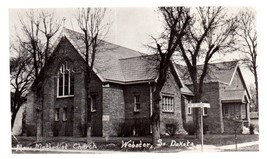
213	63
105	41
127	58
223	62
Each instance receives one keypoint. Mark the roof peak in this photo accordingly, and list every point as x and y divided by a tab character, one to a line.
213	63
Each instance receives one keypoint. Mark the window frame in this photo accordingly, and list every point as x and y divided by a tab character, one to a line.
167	103
64	70
205	111
65	114
225	107
189	109
137	103
93	103
56	114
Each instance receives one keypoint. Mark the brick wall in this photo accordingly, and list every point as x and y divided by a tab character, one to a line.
113	109
30	115
187	118
97	90
139	121
76	105
171	88
213	121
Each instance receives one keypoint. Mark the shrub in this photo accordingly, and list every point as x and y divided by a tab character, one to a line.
171	129
125	129
56	128
251	128
191	128
83	129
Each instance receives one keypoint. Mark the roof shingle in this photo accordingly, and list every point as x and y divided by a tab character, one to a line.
107	61
233	95
221	72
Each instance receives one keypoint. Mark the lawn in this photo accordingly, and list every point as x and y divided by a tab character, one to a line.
228	139
246	148
174	144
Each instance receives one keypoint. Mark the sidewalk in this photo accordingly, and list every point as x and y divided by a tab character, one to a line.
212	148
232	147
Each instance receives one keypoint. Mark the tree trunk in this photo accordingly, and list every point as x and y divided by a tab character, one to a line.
156	119
88	105
156	125
39	126
13	117
197	111
257	90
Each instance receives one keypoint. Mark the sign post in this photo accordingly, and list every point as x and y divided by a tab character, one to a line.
201	106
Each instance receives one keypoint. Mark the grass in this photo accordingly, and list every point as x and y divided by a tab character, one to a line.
115	143
228	139
246	148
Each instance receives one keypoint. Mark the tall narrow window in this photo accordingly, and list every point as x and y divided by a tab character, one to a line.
225	110
60	85
137	105
205	111
189	109
65	81
93	103
167	104
64	115
57	114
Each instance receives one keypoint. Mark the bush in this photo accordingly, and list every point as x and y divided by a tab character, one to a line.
251	128
56	128
83	129
171	129
125	129
191	128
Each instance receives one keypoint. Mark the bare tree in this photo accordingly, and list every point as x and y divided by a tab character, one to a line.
34	41
91	23
253	102
50	26
21	76
248	35
211	31
38	28
176	21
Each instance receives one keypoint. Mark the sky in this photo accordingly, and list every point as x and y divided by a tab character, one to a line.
130	27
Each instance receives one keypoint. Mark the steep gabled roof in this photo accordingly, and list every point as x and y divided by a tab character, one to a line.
114	63
222	72
138	68
217	72
107	65
233	96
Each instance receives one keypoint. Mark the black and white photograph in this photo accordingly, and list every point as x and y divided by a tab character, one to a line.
155	79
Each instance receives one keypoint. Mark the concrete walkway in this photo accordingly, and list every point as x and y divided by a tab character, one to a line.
212	148
230	147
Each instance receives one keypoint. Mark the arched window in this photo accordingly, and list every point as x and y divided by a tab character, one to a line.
65	81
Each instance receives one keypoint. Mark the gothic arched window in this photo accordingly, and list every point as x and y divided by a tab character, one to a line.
65	81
